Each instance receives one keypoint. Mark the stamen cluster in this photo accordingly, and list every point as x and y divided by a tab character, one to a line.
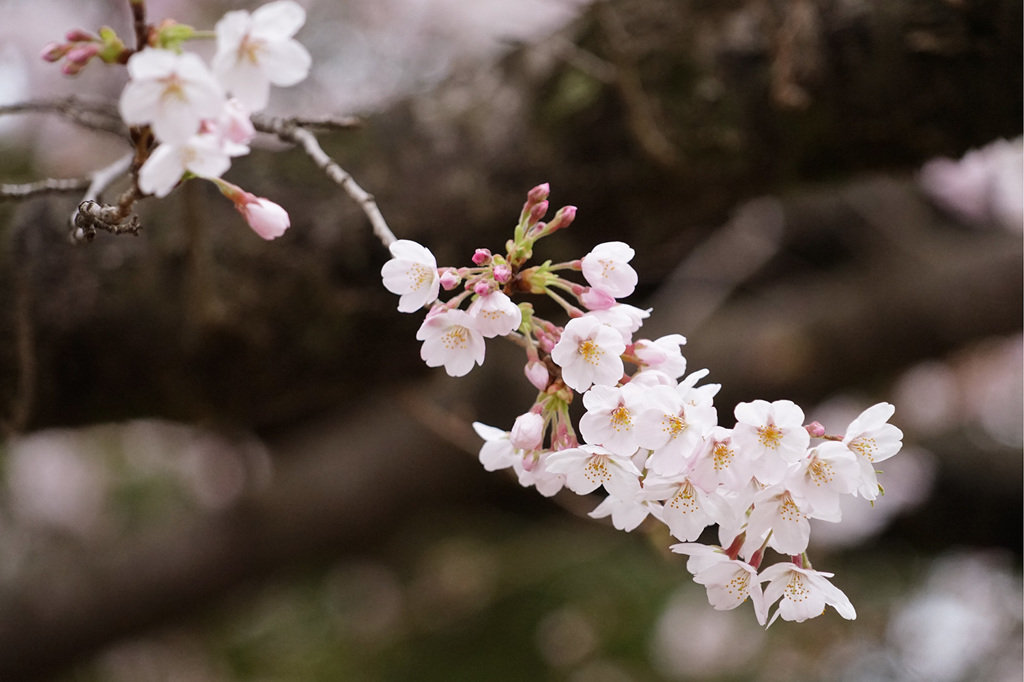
650	437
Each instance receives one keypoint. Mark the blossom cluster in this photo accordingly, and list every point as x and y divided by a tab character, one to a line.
650	437
199	114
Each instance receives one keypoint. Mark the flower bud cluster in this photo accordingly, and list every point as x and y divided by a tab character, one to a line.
198	116
650	437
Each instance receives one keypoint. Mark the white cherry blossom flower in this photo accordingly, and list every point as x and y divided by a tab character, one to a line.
662	354
495	314
776	511
589	352
610	417
729	582
671	429
257	50
771	434
171	92
450	339
588	467
687	509
412	274
535	472
873	440
202	155
624	318
497	451
804	593
626	514
607	268
719	463
828	472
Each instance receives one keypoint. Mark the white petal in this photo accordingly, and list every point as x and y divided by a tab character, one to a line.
278	20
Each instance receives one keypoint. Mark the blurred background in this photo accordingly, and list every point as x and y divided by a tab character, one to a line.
222	458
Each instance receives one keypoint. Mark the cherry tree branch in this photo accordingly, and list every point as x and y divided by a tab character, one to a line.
28	190
98	115
289	130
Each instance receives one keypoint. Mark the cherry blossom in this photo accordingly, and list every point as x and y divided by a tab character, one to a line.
412	274
662	354
202	155
607	268
771	434
450	339
729	582
626	514
688	509
257	50
671	429
171	92
495	314
780	518
588	467
828	472
873	440
804	593
589	353
610	417
497	452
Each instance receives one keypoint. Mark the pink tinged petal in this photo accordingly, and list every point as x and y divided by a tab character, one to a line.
285	63
162	170
278	20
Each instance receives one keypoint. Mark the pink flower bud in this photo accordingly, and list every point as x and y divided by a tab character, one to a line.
265	217
815	429
54	51
527	432
562	219
77	35
80	54
538	211
538	193
502	273
450	278
482	288
481	256
537	374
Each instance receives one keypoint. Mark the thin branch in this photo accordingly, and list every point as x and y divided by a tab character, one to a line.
290	131
101	116
48	186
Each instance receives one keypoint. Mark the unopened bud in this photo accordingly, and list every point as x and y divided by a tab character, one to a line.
481	256
450	278
815	429
54	51
502	273
80	54
562	219
77	35
527	432
537	374
482	288
538	211
538	193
